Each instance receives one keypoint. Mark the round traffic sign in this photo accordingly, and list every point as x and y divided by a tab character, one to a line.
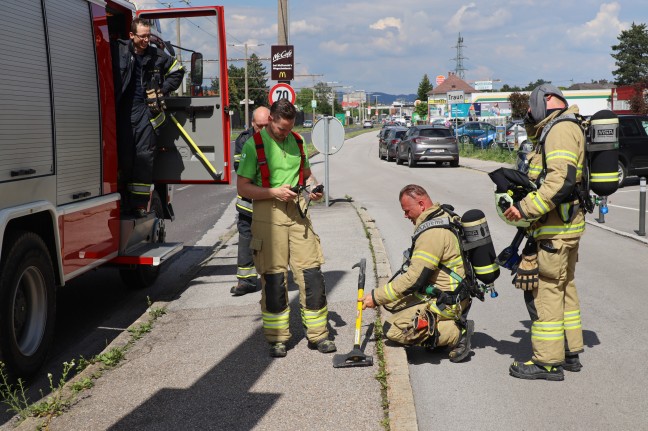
282	91
332	127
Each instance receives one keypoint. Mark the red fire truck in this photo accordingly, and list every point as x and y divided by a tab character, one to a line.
59	198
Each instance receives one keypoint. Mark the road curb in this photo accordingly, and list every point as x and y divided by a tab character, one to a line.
402	412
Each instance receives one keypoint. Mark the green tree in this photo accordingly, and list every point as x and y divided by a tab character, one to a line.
257	84
507	88
422	95
424	88
533	85
631	55
519	104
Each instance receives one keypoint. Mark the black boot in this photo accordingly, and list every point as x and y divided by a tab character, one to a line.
572	363
462	349
532	371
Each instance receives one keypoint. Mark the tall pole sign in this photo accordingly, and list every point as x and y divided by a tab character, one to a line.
283	63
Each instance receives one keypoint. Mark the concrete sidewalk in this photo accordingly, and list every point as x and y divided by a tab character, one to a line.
205	364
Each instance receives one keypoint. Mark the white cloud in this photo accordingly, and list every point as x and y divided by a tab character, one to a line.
335	47
604	26
304	27
469	17
385	23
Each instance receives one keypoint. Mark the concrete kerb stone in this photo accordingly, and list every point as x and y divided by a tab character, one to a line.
402	412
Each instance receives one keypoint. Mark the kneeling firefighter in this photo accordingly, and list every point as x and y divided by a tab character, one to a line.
551	215
432	297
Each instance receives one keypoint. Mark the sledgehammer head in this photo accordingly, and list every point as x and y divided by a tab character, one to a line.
355	358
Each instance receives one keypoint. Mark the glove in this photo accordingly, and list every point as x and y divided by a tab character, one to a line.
155	101
526	277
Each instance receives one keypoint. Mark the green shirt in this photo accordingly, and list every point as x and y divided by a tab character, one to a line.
283	160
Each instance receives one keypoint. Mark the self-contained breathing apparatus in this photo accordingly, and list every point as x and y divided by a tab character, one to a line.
478	255
600	176
477	252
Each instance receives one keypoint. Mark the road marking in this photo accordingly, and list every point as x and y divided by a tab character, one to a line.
184	188
625	208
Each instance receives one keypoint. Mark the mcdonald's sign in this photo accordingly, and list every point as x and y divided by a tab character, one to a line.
282	62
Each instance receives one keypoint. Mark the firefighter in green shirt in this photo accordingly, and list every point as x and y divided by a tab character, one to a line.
272	163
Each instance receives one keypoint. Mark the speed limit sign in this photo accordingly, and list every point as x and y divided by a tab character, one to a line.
282	91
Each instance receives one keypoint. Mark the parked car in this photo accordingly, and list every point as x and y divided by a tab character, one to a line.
387	149
633	146
381	140
515	130
428	144
478	132
308	123
367	124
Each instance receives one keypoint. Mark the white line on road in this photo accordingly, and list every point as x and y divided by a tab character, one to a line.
184	188
625	208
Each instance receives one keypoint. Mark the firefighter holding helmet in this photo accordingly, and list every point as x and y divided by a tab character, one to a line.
144	75
546	273
272	163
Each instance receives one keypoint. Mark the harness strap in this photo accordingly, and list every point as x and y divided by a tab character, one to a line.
263	162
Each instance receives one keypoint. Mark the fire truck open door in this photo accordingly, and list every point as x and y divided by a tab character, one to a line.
193	146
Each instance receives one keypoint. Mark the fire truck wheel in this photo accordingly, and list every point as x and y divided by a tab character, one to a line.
142	276
27	303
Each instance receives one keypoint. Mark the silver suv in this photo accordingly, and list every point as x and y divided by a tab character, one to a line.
428	144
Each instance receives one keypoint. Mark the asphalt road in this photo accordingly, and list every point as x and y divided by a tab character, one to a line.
611	391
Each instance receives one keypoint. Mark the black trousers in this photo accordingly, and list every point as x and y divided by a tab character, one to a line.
136	150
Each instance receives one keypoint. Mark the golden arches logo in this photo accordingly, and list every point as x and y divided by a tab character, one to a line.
282	74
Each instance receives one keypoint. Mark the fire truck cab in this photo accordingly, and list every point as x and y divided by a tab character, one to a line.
60	212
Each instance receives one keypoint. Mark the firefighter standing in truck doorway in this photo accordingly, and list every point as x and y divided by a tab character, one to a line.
549	287
245	272
144	75
273	162
419	320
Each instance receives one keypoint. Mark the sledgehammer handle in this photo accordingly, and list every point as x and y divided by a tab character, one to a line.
361	283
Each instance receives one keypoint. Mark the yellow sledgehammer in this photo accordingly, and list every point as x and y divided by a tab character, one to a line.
356	357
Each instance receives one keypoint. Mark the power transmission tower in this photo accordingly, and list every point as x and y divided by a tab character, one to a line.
459	66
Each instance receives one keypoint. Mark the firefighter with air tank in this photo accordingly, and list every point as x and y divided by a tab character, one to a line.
551	215
431	298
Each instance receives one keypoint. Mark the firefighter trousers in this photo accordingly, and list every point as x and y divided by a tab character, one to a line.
554	307
281	238
136	149
400	326
245	272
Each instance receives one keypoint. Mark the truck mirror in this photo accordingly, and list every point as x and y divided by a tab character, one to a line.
196	68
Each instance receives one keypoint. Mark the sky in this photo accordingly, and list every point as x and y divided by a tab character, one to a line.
388	45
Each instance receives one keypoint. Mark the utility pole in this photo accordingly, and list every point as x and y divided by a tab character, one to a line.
282	21
282	25
247	98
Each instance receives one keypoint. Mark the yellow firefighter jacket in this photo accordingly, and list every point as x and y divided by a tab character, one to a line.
432	247
554	202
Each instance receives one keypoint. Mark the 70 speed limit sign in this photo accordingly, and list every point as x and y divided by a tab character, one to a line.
282	91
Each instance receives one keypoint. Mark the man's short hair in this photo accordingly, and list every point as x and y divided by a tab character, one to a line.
283	109
414	191
139	21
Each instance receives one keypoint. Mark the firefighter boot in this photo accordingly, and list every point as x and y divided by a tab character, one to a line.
323	346
572	363
532	371
462	349
243	288
277	350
